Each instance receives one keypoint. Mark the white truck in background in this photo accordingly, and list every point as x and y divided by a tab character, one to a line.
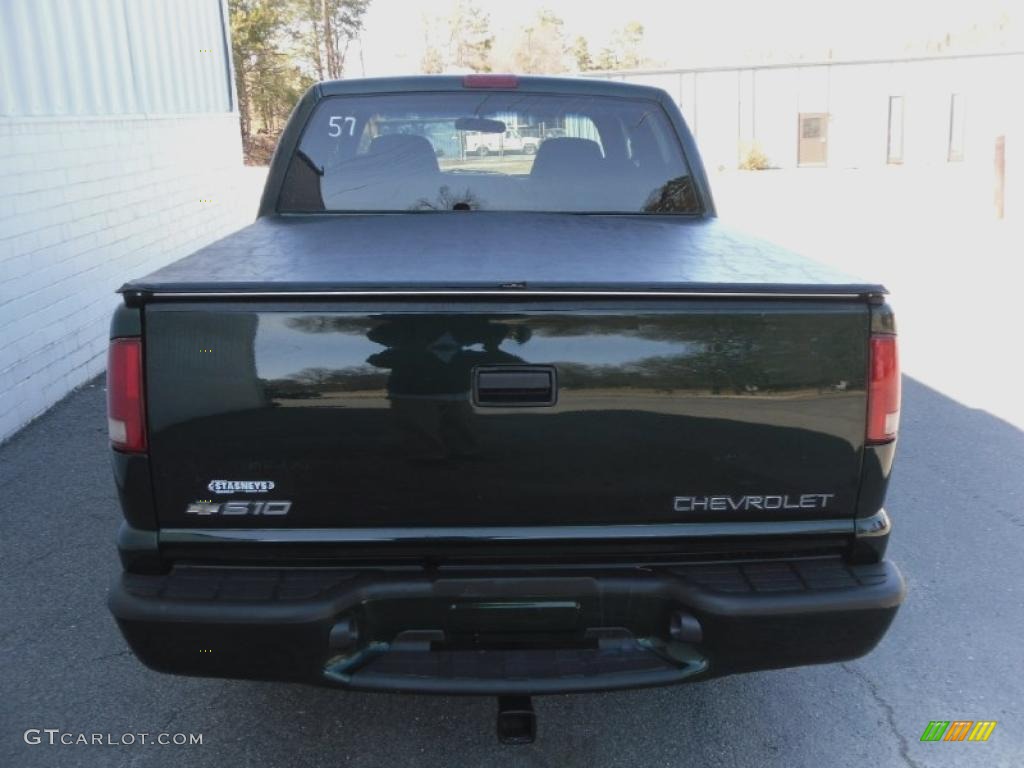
483	144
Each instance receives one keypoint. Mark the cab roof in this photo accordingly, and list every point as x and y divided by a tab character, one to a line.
583	86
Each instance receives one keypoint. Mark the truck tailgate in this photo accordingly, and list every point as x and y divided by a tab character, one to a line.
371	413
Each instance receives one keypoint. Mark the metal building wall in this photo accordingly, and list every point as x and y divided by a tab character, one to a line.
113	57
730	108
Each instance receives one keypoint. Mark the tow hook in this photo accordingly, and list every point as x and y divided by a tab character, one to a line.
517	724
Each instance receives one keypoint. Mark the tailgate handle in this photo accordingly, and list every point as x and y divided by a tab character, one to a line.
515	385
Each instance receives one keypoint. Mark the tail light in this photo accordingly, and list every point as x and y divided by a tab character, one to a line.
883	390
126	412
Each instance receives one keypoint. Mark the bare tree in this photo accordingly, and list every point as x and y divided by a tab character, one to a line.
541	47
326	13
581	53
470	39
462	40
625	50
341	22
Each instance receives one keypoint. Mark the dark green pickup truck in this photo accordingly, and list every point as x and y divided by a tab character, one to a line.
507	424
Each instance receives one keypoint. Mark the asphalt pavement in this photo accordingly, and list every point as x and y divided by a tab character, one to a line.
953	653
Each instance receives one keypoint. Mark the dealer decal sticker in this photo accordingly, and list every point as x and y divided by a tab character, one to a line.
241	486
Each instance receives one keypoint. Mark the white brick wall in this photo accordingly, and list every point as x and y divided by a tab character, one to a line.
86	204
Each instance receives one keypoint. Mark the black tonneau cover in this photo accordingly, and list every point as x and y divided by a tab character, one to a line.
481	251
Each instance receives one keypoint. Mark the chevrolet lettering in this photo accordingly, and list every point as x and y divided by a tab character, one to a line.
765	502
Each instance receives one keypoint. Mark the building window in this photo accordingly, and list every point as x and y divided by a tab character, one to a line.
956	128
812	146
810	128
894	144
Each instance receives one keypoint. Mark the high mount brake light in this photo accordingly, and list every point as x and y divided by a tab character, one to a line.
126	420
883	390
490	81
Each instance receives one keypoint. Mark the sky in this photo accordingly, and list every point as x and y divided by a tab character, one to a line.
681	33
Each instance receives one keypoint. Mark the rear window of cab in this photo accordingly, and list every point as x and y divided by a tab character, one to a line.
488	151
